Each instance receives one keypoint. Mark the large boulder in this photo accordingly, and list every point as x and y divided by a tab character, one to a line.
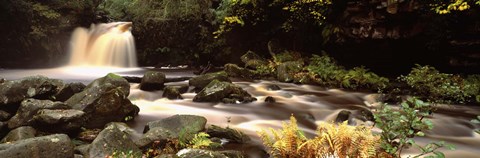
40	87
110	140
28	108
68	91
218	91
103	101
235	71
64	120
152	80
179	123
199	82
57	145
19	133
286	71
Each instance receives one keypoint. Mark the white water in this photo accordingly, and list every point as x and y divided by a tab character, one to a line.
108	45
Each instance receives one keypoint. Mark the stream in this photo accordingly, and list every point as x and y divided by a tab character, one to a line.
311	105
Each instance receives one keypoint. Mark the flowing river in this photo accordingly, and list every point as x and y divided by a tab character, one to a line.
310	104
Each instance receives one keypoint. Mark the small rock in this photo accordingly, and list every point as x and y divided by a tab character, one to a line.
64	120
227	133
88	135
57	145
199	82
199	153
82	149
68	91
19	133
152	80
111	139
236	71
4	116
2	80
273	87
366	114
343	116
270	99
232	154
172	92
28	108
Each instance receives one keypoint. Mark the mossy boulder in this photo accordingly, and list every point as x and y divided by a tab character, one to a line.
19	133
234	70
253	60
64	120
230	134
218	91
29	108
286	71
110	140
103	101
174	92
40	87
152	80
68	90
199	82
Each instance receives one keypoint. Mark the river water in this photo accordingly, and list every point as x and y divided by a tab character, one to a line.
310	104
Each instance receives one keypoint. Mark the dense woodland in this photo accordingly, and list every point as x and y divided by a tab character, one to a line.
382	35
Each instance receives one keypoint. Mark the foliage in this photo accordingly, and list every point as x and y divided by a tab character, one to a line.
199	141
428	83
447	6
476	121
331	74
400	127
331	140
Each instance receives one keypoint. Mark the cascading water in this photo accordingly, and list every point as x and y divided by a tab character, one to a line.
109	45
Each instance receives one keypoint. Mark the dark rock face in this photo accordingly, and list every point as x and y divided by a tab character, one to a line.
199	153
103	101
270	99
57	145
152	80
40	87
342	116
64	120
218	91
29	108
199	82
287	70
228	133
111	139
4	116
155	134
19	133
235	71
172	92
68	91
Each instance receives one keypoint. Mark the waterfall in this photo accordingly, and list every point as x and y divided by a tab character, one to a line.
109	45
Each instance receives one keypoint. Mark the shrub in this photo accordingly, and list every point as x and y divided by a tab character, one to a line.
429	84
331	140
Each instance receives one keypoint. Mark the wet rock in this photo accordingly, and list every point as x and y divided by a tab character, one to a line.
199	153
133	79
2	80
152	80
104	100
232	154
172	92
40	87
111	139
235	71
177	79
28	108
4	116
343	116
287	70
57	145
82	149
270	99
252	60
216	91
199	82
19	133
179	123
273	87
159	134
64	120
68	91
232	135
366	114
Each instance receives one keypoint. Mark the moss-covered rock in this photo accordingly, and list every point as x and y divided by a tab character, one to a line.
152	80
173	92
57	145
199	82
253	60
230	134
286	71
110	140
234	70
40	87
217	91
29	108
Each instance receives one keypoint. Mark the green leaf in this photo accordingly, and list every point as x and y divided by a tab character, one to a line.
439	154
421	134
